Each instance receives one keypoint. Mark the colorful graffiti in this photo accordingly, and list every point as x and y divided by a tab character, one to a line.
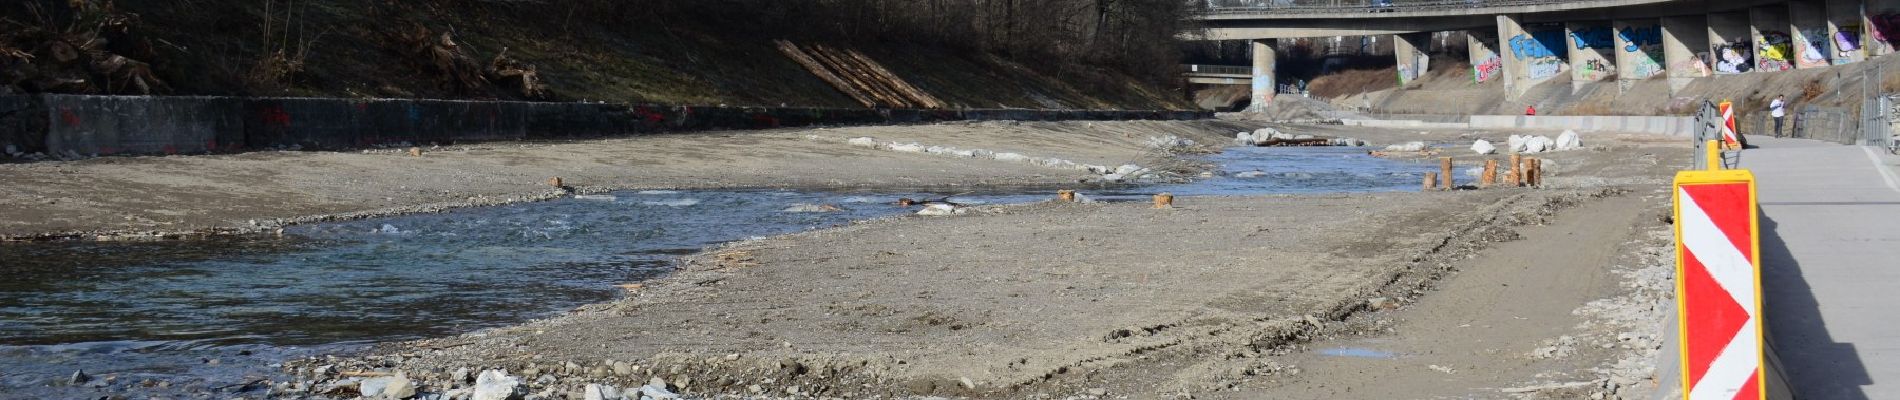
1532	45
1594	69
1847	44
1544	67
1418	66
1487	69
1811	48
1734	57
1696	66
1642	47
1885	30
1534	50
1774	52
1591	38
1636	38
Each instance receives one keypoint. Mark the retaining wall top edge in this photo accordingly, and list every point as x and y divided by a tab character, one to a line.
630	104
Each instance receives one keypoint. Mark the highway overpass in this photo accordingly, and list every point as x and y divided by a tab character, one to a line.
1525	42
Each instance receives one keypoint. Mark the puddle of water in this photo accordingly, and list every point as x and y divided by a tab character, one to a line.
167	309
1358	352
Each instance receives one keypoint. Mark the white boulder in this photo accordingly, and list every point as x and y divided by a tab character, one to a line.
941	209
495	384
862	142
1569	140
1538	144
907	148
1408	146
1482	147
1011	157
1126	169
1515	144
601	392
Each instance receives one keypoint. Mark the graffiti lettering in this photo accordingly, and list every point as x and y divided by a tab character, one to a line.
1537	44
1487	69
1544	67
1591	38
1636	37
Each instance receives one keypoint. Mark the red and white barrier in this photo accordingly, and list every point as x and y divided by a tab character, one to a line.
1718	285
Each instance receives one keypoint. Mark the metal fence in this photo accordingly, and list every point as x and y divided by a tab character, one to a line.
1218	69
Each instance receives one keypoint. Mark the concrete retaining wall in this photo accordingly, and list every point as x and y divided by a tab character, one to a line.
107	125
1666	126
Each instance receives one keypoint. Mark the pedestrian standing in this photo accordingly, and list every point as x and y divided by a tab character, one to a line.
1530	110
1777	109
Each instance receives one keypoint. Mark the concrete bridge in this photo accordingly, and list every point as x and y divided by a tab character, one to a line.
1525	42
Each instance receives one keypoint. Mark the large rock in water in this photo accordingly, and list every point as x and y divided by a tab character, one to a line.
495	385
1569	140
1482	147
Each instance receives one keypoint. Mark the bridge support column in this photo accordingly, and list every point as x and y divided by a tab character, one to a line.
1263	85
1685	49
1511	34
1845	32
1482	46
1807	24
1638	49
1590	44
1731	49
1414	53
1774	48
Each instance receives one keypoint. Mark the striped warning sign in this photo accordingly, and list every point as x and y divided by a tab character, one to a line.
1728	124
1718	285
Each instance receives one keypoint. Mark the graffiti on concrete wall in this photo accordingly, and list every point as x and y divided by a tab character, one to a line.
1811	48
1645	51
1734	57
1696	66
1594	69
1535	50
1636	38
1885	29
1846	43
1487	68
1591	38
1774	52
1418	66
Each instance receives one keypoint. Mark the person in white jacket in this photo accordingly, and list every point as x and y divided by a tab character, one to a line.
1778	109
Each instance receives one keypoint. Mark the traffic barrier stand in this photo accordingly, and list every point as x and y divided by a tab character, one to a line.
1718	284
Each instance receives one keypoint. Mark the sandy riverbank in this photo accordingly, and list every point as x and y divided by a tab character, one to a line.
228	192
1051	300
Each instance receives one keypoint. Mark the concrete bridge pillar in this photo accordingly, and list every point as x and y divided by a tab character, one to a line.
1844	31
1731	48
1685	49
1807	26
1413	51
1774	47
1482	47
1589	45
1263	85
1638	49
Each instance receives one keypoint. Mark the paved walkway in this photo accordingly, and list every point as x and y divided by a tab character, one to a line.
1830	254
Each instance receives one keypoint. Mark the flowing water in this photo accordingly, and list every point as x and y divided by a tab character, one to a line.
208	313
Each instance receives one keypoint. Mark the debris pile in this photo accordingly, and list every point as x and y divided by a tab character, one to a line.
88	48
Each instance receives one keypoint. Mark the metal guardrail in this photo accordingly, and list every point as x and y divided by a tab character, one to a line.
1242	7
1218	69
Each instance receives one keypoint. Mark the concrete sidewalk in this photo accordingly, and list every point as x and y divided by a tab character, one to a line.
1830	255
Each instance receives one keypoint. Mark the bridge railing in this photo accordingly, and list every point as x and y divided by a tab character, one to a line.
1217	69
1242	7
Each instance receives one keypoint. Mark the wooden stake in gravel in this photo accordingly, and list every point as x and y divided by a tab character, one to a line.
1444	170
1490	175
1431	182
1516	177
1536	172
1164	200
1067	196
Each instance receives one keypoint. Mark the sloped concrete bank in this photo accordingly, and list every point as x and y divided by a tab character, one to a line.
75	125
